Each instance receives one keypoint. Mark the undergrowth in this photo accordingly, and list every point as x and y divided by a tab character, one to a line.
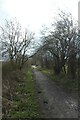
19	94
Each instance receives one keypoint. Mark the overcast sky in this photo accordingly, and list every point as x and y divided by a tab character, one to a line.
35	13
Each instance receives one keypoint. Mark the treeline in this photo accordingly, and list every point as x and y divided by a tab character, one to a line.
61	47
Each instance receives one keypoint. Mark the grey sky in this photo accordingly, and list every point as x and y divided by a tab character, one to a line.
35	13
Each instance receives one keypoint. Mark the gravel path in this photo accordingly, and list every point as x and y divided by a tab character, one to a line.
54	102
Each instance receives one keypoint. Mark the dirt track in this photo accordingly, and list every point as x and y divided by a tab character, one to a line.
54	102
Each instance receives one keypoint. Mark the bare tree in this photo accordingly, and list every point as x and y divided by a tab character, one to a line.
15	43
62	42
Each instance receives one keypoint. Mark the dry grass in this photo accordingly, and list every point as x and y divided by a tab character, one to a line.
10	78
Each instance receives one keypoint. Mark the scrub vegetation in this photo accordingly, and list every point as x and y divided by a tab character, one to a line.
19	93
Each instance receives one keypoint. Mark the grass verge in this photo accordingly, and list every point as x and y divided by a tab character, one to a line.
26	106
19	98
65	81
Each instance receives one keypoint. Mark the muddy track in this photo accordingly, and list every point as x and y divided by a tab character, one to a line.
54	102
